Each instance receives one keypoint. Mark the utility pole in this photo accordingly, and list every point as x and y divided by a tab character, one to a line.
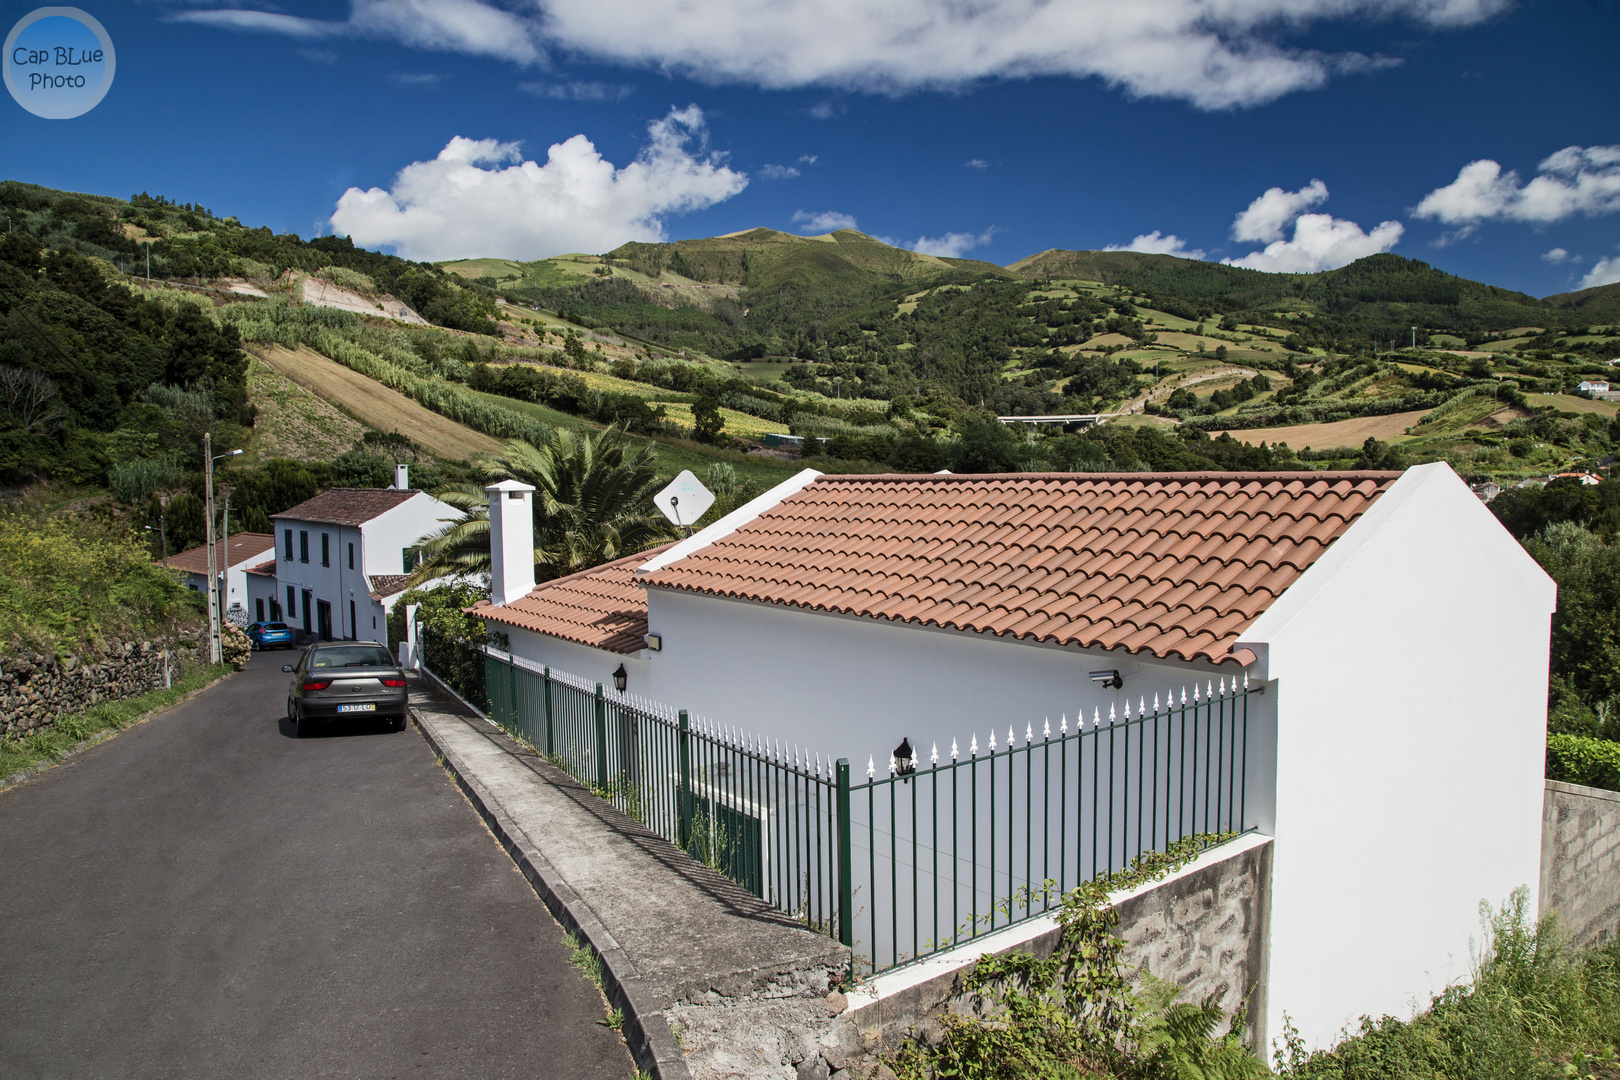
148	262
1414	337
225	550
213	555
209	457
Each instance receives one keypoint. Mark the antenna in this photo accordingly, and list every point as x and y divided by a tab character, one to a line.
684	501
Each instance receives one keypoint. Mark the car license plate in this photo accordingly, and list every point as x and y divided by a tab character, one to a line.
367	707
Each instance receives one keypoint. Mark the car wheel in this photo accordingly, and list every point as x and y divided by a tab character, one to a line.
401	723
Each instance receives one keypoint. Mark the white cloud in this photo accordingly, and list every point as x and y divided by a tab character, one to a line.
953	245
976	163
808	159
824	222
1559	255
482	198
1268	217
1321	242
778	172
1575	180
1225	54
824	110
461	26
579	91
319	56
1154	244
1605	272
414	80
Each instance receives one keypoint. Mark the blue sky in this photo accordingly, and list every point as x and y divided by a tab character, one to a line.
1482	136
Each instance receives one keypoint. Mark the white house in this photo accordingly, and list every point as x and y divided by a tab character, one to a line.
343	556
1393	635
1592	386
234	555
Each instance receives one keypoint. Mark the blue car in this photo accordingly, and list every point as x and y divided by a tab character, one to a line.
270	635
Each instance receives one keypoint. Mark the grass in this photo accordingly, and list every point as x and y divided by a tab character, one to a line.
1574	404
67	732
583	957
736	423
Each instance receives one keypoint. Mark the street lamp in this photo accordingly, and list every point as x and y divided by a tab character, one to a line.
209	457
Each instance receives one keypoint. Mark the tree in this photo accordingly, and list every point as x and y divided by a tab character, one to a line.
592	504
29	397
706	419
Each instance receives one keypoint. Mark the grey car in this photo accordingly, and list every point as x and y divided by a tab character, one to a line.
348	679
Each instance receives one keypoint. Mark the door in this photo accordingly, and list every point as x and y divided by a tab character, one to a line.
323	620
306	610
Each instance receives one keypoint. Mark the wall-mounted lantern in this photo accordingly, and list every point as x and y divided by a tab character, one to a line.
1108	678
621	679
903	762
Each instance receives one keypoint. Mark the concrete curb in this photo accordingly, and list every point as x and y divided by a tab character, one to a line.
646	1027
102	736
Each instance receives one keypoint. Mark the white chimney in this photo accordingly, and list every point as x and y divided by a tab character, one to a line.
511	540
402	477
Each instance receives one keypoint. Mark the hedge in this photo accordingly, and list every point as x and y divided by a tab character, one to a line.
1576	759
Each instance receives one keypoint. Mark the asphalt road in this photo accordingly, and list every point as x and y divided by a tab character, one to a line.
207	896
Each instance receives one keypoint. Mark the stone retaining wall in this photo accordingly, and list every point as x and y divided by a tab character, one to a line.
1204	929
1580	866
36	690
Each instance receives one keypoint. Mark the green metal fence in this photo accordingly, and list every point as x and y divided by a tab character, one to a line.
905	861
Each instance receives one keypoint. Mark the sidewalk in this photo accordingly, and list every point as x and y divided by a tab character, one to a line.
670	931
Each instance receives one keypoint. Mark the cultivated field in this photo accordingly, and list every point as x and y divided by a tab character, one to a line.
374	404
1332	435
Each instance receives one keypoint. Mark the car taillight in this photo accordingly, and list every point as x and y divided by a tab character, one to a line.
393	682
320	685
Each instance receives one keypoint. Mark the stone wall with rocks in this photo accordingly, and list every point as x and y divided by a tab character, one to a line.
1204	929
36	689
1580	866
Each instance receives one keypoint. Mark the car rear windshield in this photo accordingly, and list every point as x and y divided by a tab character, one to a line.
274	626
353	656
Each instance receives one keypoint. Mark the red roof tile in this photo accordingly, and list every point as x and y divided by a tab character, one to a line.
604	607
347	506
242	546
1172	564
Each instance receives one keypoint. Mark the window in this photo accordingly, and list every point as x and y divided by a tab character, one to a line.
326	549
351	556
410	563
354	627
288	534
292	608
258	609
303	545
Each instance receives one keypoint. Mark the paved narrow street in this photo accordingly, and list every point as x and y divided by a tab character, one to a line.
207	896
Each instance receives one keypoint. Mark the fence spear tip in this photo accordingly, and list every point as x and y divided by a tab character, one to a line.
992	740
871	767
933	758
953	750
1046	732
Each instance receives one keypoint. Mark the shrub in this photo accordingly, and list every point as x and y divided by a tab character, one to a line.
1576	759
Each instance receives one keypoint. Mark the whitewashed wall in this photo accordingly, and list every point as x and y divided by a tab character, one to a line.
853	687
1410	668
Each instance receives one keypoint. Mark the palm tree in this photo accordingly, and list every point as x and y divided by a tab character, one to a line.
592	504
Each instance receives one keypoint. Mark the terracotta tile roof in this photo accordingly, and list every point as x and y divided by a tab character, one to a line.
242	546
604	607
387	584
1172	564
347	506
267	569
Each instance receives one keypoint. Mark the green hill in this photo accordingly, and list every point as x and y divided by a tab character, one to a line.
1600	304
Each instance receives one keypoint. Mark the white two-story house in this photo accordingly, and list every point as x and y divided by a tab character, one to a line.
341	555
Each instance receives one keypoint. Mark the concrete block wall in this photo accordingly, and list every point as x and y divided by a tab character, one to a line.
1580	860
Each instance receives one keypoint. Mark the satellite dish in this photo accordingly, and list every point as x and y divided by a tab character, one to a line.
684	500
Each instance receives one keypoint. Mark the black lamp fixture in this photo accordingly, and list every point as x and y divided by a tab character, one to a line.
903	762
1108	678
621	679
